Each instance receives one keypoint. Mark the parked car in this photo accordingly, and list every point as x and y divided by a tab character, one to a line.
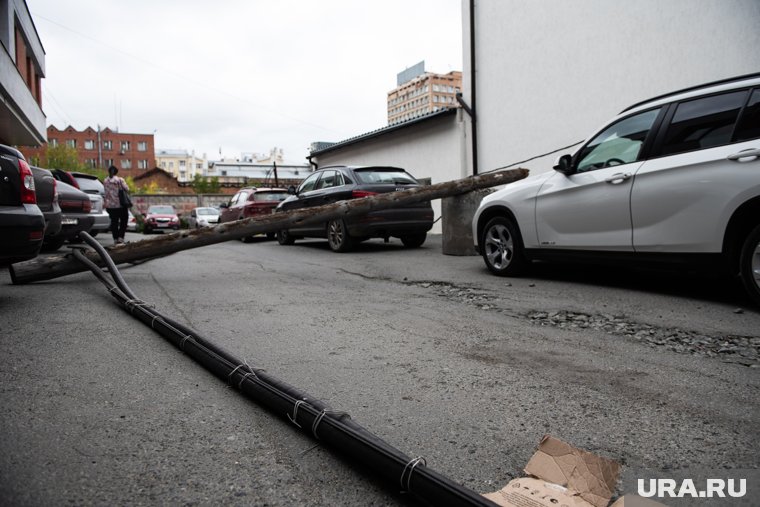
203	217
93	187
338	183
75	216
251	202
159	218
22	225
47	200
131	222
675	178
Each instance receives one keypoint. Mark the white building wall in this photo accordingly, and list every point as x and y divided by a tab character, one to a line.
551	72
431	149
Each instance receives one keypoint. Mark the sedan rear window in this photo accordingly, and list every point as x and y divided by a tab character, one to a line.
381	175
269	196
161	210
90	185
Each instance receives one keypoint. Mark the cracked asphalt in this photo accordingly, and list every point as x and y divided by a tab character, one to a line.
657	370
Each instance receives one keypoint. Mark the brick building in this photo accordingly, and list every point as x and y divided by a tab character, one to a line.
133	154
420	93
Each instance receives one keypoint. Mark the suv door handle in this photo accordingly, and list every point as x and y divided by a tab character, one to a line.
617	179
751	152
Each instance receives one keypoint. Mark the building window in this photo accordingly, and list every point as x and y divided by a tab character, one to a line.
182	165
71	142
199	166
125	146
108	145
163	165
142	146
108	162
91	162
89	144
171	164
53	142
142	164
126	164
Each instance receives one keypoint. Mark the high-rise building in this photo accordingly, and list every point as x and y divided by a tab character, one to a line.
419	93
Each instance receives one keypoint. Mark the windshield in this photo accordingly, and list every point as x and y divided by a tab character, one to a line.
207	211
394	176
90	185
161	210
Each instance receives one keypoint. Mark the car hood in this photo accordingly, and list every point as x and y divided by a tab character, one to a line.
159	215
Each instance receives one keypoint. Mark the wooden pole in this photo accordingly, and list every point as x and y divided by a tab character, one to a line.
54	266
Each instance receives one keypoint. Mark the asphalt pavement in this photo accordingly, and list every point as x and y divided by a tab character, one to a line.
656	370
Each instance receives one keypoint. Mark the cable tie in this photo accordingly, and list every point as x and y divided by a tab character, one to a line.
295	413
321	416
247	374
229	377
155	318
182	343
410	466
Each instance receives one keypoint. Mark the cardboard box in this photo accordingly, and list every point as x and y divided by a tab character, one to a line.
561	475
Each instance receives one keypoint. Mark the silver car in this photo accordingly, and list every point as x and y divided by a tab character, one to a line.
92	186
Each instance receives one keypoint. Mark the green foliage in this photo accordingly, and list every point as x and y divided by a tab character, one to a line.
62	156
203	185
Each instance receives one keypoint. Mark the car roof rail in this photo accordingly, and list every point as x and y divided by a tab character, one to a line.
693	88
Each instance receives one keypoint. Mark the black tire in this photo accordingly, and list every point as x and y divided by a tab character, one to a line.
749	264
337	236
502	248
247	239
52	245
414	240
284	237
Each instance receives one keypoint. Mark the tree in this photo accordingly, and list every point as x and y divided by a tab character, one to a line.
203	185
61	156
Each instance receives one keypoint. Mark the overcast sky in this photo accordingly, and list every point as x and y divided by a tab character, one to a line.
240	75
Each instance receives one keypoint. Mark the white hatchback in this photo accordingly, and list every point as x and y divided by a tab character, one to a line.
674	178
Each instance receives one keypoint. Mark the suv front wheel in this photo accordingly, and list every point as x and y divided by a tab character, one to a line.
749	264
502	248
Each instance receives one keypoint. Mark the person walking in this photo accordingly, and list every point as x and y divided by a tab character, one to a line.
117	210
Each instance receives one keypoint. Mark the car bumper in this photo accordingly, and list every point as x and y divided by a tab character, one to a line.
391	222
101	222
72	224
17	225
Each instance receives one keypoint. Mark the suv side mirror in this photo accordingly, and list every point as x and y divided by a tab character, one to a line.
564	164
292	190
224	205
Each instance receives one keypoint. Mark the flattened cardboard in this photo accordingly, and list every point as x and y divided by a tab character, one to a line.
594	478
562	475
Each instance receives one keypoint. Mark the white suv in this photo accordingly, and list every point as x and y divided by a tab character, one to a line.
674	178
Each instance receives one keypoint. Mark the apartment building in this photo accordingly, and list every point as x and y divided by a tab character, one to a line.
22	68
182	164
132	154
419	93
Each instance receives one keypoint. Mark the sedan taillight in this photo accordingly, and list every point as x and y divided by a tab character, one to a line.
361	193
28	195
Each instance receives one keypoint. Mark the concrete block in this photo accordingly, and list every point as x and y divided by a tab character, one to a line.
457	213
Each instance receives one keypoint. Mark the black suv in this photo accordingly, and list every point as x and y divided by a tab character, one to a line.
22	225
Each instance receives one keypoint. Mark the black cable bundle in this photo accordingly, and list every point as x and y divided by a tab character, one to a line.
332	428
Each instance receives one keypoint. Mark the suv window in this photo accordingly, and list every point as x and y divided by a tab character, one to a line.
749	124
329	179
308	183
620	143
703	123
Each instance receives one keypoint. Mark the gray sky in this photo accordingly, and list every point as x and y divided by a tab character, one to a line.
240	75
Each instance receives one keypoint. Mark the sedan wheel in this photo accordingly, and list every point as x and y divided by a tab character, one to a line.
284	237
749	264
337	236
502	248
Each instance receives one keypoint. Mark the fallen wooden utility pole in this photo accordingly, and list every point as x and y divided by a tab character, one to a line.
49	267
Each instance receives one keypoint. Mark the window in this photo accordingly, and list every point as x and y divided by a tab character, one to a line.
71	142
53	142
108	145
182	165
618	144
749	123
108	162
703	123
142	164
89	144
142	146
328	180
308	183
125	146
126	164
